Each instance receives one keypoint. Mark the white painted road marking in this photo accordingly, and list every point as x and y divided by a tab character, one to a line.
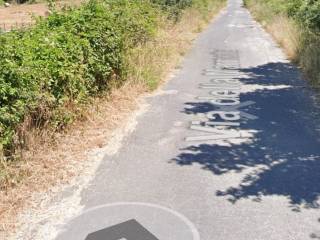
224	96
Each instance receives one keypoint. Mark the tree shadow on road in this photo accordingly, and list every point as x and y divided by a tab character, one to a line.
284	154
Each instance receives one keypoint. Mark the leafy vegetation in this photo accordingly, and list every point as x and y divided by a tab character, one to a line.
296	25
66	58
306	12
174	7
49	71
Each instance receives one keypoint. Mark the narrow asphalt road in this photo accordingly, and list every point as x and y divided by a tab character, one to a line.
229	149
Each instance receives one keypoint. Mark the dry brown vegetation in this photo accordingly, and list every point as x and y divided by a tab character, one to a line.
300	42
53	159
283	29
286	32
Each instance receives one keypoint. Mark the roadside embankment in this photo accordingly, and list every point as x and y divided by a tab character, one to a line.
295	24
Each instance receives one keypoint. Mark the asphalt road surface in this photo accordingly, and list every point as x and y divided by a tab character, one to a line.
229	149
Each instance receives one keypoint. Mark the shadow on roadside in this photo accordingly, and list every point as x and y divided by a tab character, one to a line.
284	153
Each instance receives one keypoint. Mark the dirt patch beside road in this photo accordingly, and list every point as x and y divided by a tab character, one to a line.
17	16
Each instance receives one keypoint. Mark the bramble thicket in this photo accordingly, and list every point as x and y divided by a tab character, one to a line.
72	55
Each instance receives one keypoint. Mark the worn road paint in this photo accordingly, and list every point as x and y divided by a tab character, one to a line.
224	95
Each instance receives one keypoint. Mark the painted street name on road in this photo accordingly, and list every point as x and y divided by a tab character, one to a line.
223	93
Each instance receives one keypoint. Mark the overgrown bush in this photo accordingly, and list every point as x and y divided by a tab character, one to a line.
175	7
66	58
309	13
49	70
174	3
306	12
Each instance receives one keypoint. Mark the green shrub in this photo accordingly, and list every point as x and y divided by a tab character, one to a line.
66	58
306	12
309	13
309	57
49	70
306	16
173	7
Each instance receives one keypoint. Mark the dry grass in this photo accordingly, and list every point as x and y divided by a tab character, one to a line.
150	63
284	30
300	45
56	158
287	34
